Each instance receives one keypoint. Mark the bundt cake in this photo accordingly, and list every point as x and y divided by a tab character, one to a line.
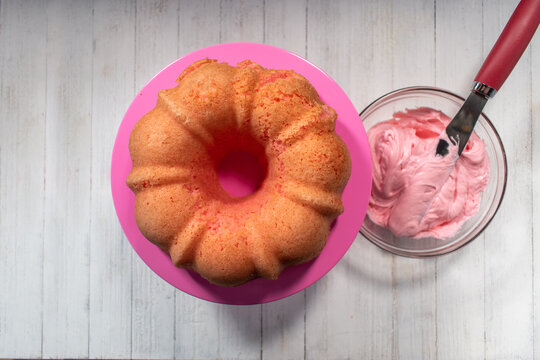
176	148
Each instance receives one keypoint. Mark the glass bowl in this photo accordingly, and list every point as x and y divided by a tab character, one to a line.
409	98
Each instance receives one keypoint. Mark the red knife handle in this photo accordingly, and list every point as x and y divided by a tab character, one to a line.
511	44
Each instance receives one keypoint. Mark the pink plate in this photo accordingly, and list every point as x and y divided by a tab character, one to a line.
355	196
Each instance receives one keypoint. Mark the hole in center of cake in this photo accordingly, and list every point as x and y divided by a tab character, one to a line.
240	173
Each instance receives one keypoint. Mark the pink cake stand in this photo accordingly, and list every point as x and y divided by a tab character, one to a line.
355	196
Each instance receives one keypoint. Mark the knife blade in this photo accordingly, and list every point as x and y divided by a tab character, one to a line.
459	130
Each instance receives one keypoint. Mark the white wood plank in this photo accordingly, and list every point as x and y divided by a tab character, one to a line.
413	43
197	328
214	331
415	289
346	315
285	25
239	327
415	330
460	303
156	38
197	334
23	29
325	38
508	245
67	193
241	21
370	288
368	44
460	275
283	321
283	328
153	299
349	311
153	319
459	44
198	25
206	330
535	150
110	253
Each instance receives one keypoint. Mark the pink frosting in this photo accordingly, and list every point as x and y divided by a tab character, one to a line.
416	193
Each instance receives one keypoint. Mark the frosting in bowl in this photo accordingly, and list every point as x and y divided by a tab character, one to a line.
416	193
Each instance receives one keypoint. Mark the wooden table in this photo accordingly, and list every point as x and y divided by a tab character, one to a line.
70	283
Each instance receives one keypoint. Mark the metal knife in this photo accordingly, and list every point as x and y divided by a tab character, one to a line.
500	62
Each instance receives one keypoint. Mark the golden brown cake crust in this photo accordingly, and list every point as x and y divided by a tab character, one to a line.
176	147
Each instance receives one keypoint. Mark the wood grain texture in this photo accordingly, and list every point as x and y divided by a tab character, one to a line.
113	82
285	25
369	45
197	335
414	281
283	331
152	319
368	268
238	327
460	275
508	252
343	318
199	25
283	321
327	314
535	150
241	21
227	332
22	175
67	190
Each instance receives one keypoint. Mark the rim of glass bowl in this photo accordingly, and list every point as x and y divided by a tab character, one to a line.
454	245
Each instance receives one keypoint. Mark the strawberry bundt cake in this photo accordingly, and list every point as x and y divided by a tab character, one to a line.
176	148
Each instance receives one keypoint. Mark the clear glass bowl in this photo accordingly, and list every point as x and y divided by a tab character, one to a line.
409	98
